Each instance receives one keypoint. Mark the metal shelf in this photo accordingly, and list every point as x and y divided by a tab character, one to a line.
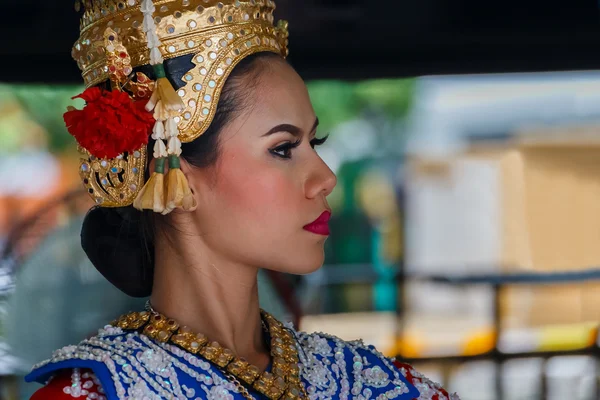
364	273
499	356
515	278
496	282
332	275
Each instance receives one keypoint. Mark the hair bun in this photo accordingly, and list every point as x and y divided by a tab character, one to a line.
113	241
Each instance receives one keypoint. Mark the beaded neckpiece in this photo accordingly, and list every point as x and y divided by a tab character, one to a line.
283	383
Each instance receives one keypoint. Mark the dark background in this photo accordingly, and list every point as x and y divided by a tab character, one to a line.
354	39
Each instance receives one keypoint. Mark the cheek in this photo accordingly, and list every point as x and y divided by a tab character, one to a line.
258	189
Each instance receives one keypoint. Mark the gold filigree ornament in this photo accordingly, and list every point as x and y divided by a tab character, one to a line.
218	35
282	383
120	70
113	182
117	181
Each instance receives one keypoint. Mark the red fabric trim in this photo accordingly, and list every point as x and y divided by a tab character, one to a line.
54	389
414	380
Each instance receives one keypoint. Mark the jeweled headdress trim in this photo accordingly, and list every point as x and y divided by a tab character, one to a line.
117	37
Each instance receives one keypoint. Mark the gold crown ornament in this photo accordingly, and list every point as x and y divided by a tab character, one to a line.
114	127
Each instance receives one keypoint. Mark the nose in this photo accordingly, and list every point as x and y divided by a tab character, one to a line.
321	181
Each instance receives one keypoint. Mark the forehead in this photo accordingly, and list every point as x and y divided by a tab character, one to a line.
281	95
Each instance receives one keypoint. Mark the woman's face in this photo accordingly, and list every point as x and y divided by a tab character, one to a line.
269	182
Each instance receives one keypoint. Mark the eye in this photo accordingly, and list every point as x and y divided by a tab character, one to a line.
317	142
285	150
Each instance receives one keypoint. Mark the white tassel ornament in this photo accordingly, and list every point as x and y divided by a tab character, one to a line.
174	146
147	7
160	150
172	192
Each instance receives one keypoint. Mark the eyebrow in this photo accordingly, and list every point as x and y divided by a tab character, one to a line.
293	129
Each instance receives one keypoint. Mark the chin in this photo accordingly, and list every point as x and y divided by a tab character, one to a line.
299	263
310	263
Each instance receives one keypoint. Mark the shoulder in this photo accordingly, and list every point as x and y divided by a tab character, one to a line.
362	371
130	364
99	356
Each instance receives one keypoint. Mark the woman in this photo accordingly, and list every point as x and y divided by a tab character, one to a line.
235	186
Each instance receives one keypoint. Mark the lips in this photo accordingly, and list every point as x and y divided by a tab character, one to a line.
320	226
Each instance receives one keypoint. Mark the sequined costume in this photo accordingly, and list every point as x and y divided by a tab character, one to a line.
121	364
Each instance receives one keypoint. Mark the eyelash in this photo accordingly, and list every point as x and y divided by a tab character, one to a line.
289	146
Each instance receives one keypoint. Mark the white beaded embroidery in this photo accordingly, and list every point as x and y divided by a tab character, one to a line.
141	368
316	355
375	376
219	392
78	389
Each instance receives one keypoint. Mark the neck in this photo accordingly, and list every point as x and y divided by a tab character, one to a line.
211	295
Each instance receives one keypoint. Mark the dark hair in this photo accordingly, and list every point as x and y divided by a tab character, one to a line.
120	241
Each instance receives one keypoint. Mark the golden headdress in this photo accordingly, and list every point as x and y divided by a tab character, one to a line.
118	36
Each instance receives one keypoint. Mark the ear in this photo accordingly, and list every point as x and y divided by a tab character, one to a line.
186	168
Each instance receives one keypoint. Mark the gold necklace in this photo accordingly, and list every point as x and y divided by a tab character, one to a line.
283	383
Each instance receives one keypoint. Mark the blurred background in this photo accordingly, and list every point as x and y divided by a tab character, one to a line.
466	229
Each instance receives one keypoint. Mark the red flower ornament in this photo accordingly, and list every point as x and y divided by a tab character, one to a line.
110	124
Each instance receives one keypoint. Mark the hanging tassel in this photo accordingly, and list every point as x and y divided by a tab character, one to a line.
166	93
165	104
174	146
148	24
147	6
164	101
158	134
171	128
179	194
160	112
160	149
155	56
178	191
158	130
153	40
152	195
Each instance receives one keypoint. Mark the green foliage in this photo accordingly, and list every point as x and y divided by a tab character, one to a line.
45	106
393	96
336	102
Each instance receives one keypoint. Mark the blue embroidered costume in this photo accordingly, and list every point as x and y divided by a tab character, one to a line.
130	365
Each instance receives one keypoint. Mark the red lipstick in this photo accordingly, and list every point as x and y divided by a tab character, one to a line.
320	226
